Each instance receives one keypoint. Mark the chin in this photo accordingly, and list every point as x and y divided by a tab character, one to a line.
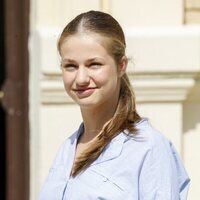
88	104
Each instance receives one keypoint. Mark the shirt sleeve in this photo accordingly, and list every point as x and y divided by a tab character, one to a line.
162	174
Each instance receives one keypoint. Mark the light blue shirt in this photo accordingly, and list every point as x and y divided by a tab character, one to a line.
143	167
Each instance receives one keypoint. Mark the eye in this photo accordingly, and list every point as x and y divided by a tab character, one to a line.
95	65
69	67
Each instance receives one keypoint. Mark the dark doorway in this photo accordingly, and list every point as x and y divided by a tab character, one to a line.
2	113
14	71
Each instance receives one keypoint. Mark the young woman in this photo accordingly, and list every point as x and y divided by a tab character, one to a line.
115	154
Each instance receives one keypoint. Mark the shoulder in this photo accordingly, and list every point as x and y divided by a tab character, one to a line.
161	163
148	144
154	148
150	136
156	144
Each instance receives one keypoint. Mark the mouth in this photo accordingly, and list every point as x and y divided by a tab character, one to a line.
85	92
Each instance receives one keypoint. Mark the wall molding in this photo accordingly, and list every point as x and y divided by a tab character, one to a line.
149	87
166	65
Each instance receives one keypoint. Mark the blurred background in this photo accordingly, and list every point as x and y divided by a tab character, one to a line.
36	115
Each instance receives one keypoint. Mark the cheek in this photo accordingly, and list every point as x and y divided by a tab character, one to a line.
110	76
68	81
107	80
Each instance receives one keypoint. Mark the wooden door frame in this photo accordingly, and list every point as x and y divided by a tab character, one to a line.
15	101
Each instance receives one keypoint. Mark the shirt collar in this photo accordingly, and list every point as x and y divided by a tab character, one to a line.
111	151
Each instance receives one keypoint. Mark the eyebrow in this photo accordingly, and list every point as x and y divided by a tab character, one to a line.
93	59
73	61
67	60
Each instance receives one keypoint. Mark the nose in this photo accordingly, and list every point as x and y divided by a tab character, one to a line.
82	76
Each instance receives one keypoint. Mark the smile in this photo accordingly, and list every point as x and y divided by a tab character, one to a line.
85	92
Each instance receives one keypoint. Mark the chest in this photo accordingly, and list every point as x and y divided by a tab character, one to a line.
113	176
96	184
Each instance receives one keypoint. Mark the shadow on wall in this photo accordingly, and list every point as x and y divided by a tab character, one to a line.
191	110
191	116
191	130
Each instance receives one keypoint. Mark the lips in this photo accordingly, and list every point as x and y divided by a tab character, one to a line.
85	92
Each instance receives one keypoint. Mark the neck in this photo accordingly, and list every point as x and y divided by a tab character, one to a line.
94	119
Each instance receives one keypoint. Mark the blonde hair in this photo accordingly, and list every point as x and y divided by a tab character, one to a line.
126	115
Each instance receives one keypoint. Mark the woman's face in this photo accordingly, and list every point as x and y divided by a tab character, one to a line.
89	72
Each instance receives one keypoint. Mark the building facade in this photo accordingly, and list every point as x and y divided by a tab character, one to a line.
163	39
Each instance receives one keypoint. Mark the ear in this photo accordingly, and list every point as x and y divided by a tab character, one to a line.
122	66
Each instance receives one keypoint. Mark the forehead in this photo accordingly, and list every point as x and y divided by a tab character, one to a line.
87	40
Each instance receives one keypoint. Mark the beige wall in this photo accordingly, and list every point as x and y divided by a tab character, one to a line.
165	74
192	12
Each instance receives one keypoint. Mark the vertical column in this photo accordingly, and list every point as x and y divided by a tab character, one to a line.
105	6
16	99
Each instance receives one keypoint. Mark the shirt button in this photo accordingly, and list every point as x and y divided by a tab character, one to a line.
104	179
